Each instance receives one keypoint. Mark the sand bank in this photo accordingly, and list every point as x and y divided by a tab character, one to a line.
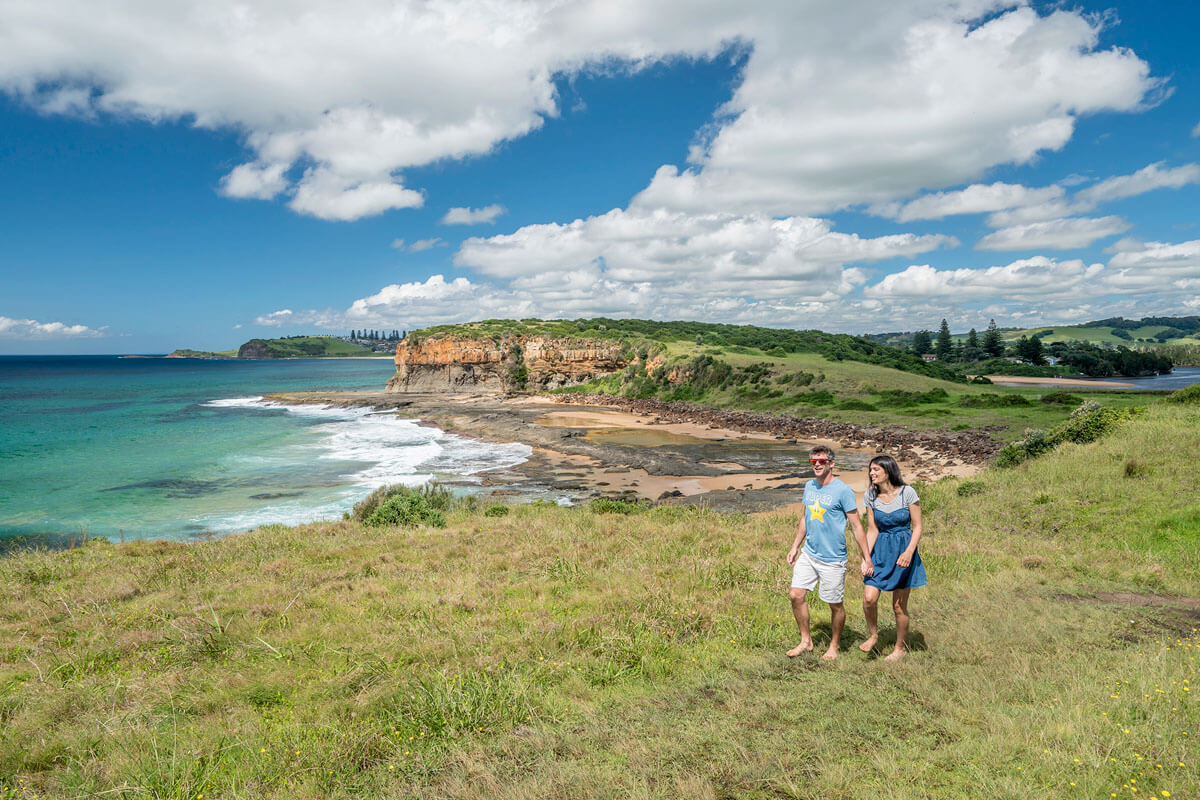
1081	383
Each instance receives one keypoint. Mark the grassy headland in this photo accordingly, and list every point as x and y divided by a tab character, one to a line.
555	652
802	373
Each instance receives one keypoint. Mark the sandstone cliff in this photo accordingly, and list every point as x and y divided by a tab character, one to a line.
505	364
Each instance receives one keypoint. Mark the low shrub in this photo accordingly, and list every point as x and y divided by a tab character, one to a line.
1086	424
817	397
992	400
1189	395
899	397
497	510
856	405
969	488
1061	399
1089	422
406	508
365	507
1034	443
609	505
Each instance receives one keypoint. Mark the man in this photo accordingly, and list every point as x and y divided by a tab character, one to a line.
828	503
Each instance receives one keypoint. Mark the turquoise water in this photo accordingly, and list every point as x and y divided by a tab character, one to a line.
182	448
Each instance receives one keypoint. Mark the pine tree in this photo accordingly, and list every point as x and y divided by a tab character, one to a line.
944	343
922	342
993	343
973	339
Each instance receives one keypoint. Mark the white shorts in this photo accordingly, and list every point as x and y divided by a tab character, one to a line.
810	571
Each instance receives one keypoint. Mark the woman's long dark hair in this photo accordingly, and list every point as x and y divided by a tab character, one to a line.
889	465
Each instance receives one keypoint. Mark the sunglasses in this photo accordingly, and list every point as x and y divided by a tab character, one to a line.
819	460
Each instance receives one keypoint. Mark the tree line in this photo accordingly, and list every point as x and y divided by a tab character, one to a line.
378	336
1090	359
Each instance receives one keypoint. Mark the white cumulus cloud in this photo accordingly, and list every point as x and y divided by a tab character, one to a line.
424	244
1056	234
710	249
472	216
1156	267
1036	278
32	329
838	104
277	319
1147	179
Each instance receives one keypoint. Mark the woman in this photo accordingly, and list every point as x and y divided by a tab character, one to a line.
893	531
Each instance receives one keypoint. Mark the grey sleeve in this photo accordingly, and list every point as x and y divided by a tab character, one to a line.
910	496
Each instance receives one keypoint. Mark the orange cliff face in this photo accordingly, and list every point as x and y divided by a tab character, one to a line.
493	366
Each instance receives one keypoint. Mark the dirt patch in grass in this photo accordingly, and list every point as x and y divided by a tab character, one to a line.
1174	614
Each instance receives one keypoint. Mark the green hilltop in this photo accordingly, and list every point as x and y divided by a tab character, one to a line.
294	347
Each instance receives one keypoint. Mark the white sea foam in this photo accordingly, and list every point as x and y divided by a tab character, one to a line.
387	448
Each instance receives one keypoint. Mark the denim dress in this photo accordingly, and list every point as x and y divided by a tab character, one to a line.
895	532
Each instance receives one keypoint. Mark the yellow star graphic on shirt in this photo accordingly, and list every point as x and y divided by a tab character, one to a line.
818	513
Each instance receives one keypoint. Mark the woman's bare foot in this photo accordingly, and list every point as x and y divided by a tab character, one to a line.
804	647
868	644
830	654
895	655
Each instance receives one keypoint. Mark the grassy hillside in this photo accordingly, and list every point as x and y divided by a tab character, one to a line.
647	337
1118	330
558	652
186	353
304	347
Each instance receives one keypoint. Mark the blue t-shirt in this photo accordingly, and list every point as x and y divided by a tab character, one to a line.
825	512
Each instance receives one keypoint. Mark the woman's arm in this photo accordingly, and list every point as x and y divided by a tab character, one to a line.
872	530
914	511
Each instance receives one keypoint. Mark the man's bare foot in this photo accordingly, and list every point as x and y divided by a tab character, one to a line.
868	644
804	647
895	655
830	654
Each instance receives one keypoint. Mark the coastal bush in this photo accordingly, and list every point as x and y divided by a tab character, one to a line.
1061	399
609	505
856	405
969	488
1189	395
439	496
1089	422
903	399
1086	424
1033	444
497	510
407	508
992	400
365	507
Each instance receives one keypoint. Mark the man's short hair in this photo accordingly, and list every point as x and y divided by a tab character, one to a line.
821	450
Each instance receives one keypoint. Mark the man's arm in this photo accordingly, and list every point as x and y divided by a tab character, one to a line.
794	553
860	538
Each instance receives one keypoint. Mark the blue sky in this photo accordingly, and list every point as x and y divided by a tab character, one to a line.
195	175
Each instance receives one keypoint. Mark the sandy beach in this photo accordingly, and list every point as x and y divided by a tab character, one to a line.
1082	383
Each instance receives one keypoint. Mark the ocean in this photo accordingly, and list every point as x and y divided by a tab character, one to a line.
130	448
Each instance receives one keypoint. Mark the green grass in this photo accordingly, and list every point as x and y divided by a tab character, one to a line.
558	652
852	391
